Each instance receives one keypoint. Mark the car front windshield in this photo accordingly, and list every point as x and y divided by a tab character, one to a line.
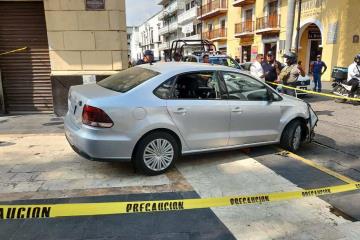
127	79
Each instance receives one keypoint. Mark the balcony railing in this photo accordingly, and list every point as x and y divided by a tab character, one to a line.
268	24
244	28
187	16
169	10
242	3
216	34
212	9
172	27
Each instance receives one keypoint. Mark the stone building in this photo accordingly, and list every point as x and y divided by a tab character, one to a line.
68	42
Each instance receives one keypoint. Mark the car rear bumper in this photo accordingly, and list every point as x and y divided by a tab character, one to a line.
93	145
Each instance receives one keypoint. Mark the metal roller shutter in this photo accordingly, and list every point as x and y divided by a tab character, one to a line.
25	74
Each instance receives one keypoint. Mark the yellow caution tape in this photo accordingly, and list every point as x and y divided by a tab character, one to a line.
12	51
93	209
315	93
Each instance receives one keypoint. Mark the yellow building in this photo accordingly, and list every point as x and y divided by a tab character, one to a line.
327	27
68	42
213	15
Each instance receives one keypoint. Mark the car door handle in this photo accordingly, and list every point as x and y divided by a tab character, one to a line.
180	111
237	110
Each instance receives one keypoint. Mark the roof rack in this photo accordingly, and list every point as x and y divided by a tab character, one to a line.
177	46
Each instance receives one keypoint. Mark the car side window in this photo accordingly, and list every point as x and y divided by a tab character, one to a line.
164	90
197	85
245	88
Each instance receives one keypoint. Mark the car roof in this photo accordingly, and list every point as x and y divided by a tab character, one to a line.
178	67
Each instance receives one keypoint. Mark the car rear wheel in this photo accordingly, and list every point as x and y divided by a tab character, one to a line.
156	153
292	136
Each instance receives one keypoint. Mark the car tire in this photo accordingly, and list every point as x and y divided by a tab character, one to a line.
291	137
156	153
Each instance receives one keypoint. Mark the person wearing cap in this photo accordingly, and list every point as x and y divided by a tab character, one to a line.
318	68
290	74
271	68
148	58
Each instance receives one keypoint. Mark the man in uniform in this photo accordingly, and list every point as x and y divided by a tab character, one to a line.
148	58
290	74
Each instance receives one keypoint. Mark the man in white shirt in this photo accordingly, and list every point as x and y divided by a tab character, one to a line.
354	74
256	69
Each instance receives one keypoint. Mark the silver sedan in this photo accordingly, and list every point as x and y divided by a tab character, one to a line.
154	113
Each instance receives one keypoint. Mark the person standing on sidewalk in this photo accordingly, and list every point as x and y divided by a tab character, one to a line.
256	69
318	68
290	74
272	68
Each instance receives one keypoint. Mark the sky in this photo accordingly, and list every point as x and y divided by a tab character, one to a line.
137	11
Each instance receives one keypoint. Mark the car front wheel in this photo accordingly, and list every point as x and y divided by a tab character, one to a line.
292	136
156	153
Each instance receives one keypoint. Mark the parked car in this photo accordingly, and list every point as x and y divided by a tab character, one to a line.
303	83
153	113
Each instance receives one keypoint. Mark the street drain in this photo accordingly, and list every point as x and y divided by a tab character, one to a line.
340	213
4	144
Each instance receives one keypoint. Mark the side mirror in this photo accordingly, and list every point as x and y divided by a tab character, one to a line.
270	95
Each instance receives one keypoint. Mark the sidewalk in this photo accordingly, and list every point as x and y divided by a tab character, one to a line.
31	124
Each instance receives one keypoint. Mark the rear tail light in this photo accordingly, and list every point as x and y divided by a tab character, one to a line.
95	117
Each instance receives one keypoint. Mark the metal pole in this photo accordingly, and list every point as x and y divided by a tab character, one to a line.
298	28
201	21
290	24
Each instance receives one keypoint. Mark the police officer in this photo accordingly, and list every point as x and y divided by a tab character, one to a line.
148	58
290	74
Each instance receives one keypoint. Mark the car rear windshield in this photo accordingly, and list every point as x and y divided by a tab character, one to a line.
127	79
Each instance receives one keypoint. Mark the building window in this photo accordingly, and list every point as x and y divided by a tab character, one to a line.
187	6
273	8
193	4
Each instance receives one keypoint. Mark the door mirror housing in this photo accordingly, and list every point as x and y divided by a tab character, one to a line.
270	95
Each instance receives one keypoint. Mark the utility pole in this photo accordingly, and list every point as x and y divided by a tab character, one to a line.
199	3
298	27
290	24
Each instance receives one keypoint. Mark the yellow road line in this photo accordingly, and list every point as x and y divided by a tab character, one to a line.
312	164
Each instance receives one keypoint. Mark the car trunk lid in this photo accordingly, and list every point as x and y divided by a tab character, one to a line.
82	95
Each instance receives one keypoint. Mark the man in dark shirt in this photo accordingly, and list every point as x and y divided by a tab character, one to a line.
272	68
318	68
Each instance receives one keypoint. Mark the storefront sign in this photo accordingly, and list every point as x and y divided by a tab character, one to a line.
311	8
248	40
314	34
332	33
95	4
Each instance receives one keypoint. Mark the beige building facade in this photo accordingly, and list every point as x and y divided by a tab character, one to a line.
86	41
